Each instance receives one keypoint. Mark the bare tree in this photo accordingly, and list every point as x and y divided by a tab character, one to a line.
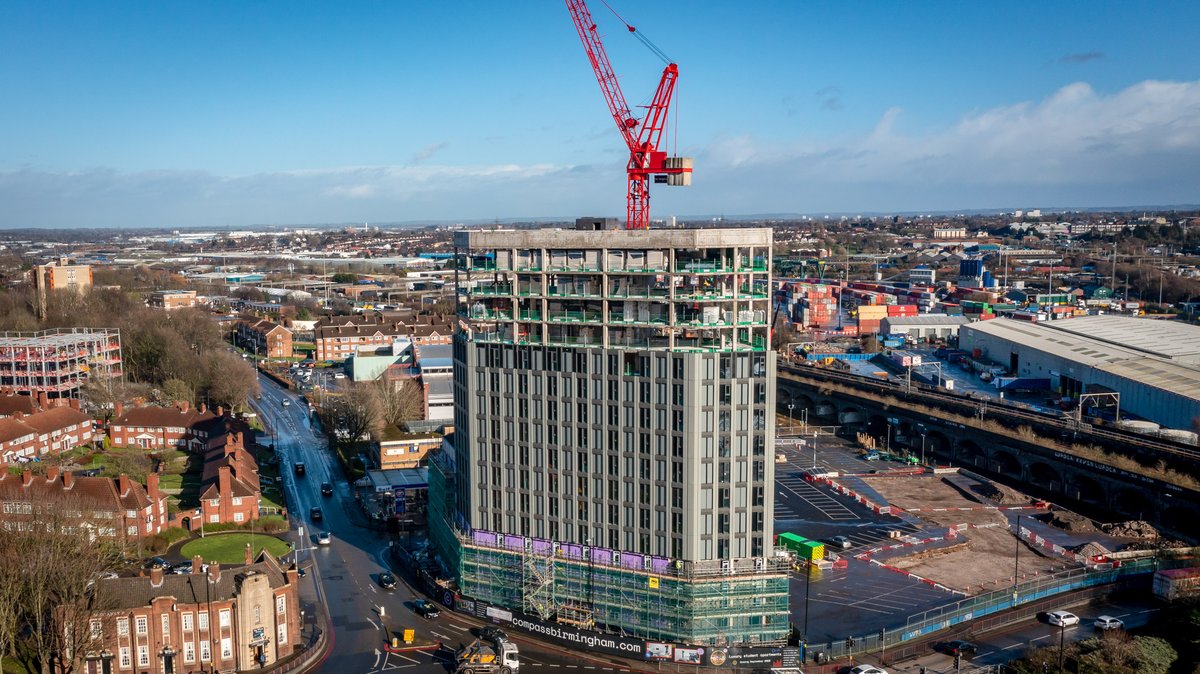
231	380
65	546
354	413
398	401
11	571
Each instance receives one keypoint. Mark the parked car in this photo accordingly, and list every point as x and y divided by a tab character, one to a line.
868	669
1107	622
959	647
840	542
315	514
1062	618
324	538
387	581
326	489
492	634
157	563
426	609
286	402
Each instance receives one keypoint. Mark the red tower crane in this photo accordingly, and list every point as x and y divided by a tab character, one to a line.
641	135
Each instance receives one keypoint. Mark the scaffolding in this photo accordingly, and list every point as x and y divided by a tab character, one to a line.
57	363
731	602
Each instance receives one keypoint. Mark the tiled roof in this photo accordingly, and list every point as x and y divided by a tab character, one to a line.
163	416
98	492
139	591
54	419
17	403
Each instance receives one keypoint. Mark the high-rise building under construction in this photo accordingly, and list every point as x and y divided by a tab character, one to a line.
611	464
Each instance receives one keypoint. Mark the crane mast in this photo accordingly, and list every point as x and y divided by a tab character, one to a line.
647	162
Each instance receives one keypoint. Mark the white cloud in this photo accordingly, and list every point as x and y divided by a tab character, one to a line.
1076	147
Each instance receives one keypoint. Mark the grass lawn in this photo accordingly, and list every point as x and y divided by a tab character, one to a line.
231	548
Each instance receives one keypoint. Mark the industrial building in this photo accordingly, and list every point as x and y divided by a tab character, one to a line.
610	466
927	326
56	363
1153	364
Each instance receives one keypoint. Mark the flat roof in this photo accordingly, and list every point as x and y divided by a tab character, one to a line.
1164	338
632	239
927	319
399	478
1149	368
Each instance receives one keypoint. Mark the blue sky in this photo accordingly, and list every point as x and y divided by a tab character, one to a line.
229	114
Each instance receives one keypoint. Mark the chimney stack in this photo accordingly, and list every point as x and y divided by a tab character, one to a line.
197	564
74	403
118	409
203	408
156	576
152	490
123	484
18	415
51	473
184	405
220	411
68	479
249	555
26	477
214	572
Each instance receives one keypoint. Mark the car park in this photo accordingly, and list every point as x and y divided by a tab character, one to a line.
387	581
1107	622
1062	618
426	609
324	538
315	514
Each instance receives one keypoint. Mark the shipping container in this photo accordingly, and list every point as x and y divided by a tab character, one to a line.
812	551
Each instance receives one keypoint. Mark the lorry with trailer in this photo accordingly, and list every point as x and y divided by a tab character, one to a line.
482	658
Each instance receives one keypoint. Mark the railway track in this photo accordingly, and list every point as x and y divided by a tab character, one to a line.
998	410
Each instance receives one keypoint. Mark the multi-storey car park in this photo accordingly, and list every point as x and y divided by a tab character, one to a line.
56	363
613	417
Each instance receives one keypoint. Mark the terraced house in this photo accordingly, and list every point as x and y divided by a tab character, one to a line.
230	490
178	427
106	507
29	436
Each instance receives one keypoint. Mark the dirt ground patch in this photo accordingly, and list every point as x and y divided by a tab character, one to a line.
986	560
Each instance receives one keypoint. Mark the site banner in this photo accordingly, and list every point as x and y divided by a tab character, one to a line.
758	657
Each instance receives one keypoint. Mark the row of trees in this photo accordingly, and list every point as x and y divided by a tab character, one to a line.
365	409
167	356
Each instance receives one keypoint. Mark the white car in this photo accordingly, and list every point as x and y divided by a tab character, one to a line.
1107	622
324	538
1062	618
868	669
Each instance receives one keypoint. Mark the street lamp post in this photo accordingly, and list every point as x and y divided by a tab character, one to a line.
1062	637
807	588
791	424
922	449
1016	561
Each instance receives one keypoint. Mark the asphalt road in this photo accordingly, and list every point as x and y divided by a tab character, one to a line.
343	575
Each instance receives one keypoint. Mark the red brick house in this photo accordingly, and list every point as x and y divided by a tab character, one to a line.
56	430
214	619
264	338
179	427
229	489
109	507
340	337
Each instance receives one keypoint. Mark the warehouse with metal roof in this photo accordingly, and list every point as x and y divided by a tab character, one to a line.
1153	364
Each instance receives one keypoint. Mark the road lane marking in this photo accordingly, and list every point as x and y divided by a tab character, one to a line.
437	634
1013	646
405	657
457	626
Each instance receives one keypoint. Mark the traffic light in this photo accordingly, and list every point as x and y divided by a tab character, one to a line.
849	643
957	662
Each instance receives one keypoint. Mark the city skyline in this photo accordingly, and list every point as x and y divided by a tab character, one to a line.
223	115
